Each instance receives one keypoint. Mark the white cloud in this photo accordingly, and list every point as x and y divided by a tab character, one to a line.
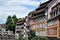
15	7
20	2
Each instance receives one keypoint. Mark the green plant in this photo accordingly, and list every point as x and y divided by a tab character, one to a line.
11	23
39	38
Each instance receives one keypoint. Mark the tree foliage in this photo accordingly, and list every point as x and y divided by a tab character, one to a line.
14	20
39	38
20	36
11	23
31	34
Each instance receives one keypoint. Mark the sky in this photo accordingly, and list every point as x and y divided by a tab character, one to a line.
20	8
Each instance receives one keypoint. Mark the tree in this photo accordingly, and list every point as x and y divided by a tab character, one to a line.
31	34
39	38
19	18
11	23
20	36
14	20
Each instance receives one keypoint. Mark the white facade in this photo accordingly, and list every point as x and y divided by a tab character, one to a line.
18	28
50	5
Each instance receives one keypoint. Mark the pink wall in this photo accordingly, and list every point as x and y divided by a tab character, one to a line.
31	25
31	22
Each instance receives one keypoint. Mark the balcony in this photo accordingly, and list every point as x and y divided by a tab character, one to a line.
39	15
54	25
19	29
52	35
39	21
20	26
54	14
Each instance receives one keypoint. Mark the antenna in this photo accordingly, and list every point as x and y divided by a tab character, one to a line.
40	1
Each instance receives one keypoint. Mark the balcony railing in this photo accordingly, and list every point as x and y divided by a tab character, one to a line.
19	26
53	15
19	29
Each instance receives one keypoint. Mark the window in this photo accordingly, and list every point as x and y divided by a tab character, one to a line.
53	13
0	29
50	23
59	9
50	31
34	26
46	11
55	31
38	33
44	25
41	25
59	32
44	33
38	19
37	26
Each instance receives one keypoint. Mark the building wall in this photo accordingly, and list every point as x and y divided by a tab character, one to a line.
53	25
52	28
40	29
58	28
31	25
50	5
19	29
39	25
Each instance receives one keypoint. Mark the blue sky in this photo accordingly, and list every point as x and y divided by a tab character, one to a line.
20	8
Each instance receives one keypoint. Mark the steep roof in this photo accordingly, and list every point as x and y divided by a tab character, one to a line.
56	5
21	20
41	8
43	5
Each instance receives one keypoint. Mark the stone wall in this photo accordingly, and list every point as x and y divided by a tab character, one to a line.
7	37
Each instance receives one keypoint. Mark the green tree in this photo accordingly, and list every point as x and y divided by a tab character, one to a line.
11	23
20	36
31	34
14	20
19	18
39	38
